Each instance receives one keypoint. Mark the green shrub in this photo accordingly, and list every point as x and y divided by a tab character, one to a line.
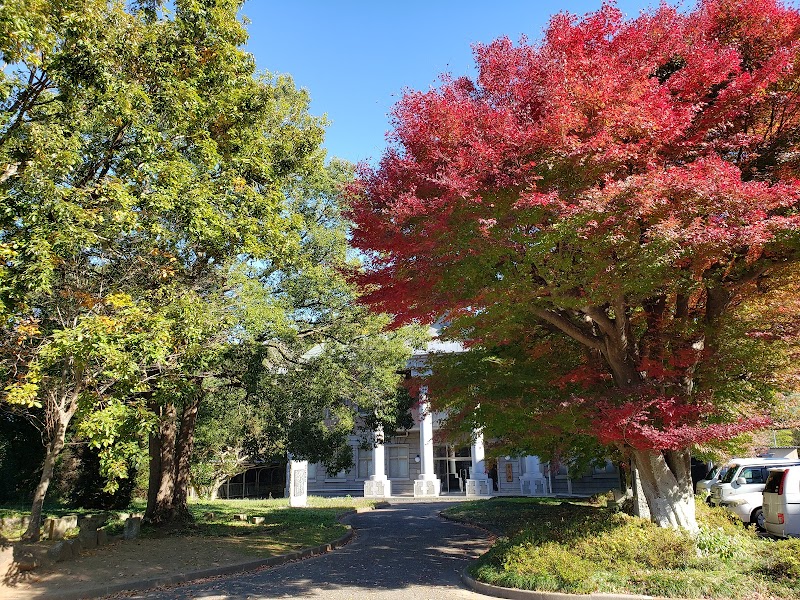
575	548
636	541
780	561
719	518
550	566
693	584
715	543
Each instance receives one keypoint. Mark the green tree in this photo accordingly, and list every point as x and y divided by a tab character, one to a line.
143	162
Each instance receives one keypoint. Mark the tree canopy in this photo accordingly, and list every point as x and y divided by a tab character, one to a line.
161	203
598	215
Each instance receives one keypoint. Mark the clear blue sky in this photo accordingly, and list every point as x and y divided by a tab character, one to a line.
356	57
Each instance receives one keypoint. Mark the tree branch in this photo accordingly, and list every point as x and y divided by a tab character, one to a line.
565	325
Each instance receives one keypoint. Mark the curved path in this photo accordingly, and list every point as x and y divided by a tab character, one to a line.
405	551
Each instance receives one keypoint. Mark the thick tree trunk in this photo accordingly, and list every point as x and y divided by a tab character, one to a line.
154	480
171	457
162	510
184	447
667	484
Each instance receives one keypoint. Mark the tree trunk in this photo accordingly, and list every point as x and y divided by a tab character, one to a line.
154	480
183	447
667	484
162	510
213	493
62	410
32	533
171	457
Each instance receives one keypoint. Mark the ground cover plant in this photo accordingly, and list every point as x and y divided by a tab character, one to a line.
583	547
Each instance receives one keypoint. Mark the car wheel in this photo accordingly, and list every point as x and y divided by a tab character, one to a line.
758	518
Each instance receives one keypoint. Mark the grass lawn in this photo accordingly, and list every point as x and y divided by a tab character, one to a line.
284	528
579	547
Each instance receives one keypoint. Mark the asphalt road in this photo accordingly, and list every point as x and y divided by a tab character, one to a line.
404	551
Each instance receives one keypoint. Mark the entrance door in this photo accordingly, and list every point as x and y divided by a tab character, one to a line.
451	465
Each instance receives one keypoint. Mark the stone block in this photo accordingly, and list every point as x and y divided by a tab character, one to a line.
47	528
133	527
93	521
102	536
479	487
70	521
377	488
240	517
56	529
427	487
29	557
208	516
88	537
60	551
76	546
257	520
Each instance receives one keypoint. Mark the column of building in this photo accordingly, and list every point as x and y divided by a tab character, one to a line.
478	483
378	485
427	484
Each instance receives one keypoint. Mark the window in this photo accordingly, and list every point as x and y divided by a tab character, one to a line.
398	461
312	471
365	464
753	474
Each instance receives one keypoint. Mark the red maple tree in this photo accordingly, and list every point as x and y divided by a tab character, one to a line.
623	184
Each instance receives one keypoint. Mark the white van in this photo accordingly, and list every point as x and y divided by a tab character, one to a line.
742	487
782	502
703	487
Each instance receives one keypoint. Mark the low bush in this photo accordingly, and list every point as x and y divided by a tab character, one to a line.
576	547
780	561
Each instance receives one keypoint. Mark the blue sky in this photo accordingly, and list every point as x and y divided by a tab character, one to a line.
356	57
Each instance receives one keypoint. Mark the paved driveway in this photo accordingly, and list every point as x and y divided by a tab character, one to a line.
404	551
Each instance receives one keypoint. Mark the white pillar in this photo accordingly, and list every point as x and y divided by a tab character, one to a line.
298	482
533	482
478	483
427	484
378	485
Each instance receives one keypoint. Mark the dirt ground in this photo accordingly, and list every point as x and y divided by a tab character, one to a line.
132	560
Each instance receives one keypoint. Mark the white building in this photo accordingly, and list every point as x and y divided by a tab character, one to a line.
416	463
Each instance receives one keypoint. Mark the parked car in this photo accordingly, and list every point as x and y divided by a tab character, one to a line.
703	487
782	502
741	489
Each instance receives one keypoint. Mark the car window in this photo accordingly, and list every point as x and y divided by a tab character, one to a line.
730	475
773	481
754	474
